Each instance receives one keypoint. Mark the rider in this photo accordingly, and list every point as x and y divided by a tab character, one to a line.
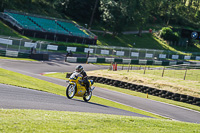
80	70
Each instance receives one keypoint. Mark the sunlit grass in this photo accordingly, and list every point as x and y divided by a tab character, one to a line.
59	121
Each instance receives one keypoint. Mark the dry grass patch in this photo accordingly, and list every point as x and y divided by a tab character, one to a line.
187	87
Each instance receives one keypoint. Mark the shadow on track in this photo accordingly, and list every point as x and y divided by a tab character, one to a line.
91	103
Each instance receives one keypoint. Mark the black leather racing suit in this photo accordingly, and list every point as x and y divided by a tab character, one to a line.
85	80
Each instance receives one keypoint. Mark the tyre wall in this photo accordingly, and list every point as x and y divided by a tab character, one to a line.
151	91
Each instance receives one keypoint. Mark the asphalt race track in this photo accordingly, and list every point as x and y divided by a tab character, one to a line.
12	97
35	69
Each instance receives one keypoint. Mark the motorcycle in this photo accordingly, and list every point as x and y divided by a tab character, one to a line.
77	88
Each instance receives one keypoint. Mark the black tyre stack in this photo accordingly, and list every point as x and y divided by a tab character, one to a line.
151	91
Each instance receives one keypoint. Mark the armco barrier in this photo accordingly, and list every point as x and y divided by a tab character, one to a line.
101	60
10	53
72	59
40	56
150	62
118	60
134	61
23	55
92	60
124	61
2	53
20	55
151	91
81	60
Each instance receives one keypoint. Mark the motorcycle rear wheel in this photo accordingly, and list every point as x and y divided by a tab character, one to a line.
70	91
87	98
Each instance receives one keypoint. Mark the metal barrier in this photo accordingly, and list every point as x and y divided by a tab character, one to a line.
139	53
26	46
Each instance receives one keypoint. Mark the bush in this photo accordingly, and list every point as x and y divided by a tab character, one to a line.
168	34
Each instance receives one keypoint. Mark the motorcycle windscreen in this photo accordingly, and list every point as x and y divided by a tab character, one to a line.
75	75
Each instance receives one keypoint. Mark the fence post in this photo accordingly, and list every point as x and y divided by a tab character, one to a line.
110	68
128	67
163	72
185	74
40	47
144	69
20	43
34	34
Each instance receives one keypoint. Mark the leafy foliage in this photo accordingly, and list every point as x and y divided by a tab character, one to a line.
78	9
168	34
112	16
116	14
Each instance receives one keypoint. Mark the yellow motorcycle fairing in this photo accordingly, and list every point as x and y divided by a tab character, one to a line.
80	87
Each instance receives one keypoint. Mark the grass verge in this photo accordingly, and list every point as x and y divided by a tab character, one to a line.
146	41
54	121
17	79
7	31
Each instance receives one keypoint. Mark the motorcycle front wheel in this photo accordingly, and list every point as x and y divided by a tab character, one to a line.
87	98
70	91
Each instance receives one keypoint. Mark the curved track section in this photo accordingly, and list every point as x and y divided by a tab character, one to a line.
12	97
35	68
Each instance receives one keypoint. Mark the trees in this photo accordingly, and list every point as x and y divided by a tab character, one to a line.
112	15
142	14
115	14
80	10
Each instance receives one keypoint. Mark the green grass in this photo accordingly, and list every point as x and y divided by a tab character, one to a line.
17	79
166	83
192	75
146	41
7	31
56	121
61	43
177	49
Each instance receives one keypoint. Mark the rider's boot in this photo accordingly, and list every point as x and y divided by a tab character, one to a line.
88	91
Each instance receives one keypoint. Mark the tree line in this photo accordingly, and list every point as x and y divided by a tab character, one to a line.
114	14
